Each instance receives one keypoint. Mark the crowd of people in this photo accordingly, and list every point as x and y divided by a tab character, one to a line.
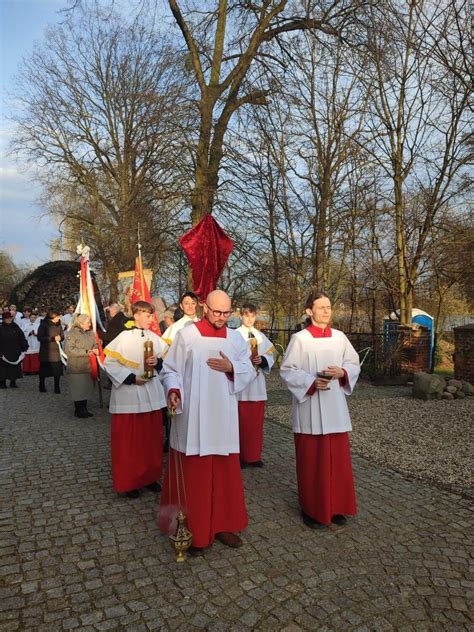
205	383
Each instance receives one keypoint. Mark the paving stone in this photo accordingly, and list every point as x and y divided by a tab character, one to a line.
75	556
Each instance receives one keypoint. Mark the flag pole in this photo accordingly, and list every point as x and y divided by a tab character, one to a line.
140	263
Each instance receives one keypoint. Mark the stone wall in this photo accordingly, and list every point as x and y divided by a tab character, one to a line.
464	353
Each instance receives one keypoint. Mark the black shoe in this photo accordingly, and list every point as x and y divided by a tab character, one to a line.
154	487
82	414
311	522
13	384
133	493
195	551
243	464
257	464
339	519
3	385
57	391
42	389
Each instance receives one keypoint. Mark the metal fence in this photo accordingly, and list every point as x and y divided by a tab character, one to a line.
382	355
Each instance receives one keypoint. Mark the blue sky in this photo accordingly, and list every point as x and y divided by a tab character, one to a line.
24	234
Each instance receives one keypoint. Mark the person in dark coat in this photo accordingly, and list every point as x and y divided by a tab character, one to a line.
13	344
115	325
50	333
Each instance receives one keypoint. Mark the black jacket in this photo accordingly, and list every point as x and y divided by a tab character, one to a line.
12	341
49	351
115	327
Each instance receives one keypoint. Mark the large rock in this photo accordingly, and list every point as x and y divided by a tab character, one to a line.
467	388
460	395
427	386
447	395
452	389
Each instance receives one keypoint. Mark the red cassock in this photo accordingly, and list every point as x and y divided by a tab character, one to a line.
324	469
137	449
211	490
251	421
31	363
212	495
324	472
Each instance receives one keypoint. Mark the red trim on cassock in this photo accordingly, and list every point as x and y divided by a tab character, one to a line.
343	380
319	332
215	500
251	418
324	472
31	363
137	449
209	331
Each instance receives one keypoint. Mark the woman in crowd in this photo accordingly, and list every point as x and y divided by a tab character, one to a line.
12	347
50	335
80	345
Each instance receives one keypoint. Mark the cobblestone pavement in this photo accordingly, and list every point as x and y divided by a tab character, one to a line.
76	556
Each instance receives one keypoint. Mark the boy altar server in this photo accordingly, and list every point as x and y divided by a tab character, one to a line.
320	368
188	304
205	368
252	399
31	363
135	403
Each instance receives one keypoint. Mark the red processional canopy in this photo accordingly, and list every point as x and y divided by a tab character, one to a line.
207	248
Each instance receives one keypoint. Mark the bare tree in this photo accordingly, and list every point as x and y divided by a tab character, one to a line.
98	113
418	123
224	43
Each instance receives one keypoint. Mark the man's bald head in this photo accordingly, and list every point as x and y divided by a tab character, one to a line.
217	308
218	299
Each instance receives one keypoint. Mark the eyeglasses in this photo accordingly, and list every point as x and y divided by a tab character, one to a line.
217	313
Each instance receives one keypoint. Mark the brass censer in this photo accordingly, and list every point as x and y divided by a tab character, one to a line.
147	353
182	538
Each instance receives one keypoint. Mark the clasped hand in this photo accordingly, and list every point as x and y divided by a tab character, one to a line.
336	372
222	364
151	361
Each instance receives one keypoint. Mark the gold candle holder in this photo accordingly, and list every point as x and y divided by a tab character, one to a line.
254	350
182	538
147	353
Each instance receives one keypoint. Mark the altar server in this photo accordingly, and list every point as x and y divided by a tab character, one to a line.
204	370
135	403
188	304
31	362
252	399
321	368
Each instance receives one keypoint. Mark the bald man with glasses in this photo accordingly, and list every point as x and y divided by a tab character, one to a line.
206	367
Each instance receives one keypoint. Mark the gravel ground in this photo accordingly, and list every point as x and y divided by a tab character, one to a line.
429	441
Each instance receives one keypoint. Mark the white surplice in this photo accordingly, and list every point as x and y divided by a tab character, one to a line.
125	355
326	411
207	421
256	391
170	333
30	329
